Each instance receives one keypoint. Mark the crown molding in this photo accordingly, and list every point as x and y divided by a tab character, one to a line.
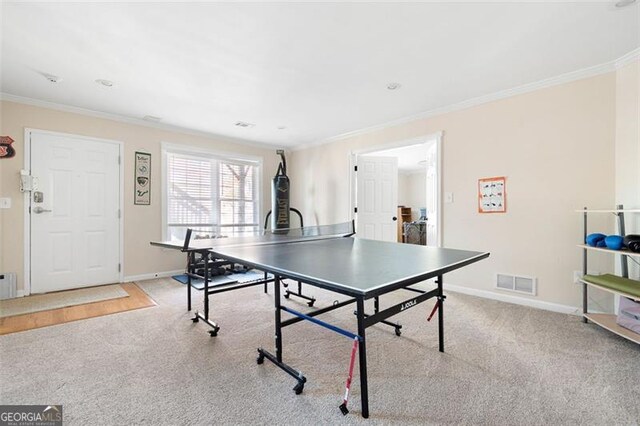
129	120
634	55
526	88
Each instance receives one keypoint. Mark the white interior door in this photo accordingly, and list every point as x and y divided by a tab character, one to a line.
433	195
74	214
377	198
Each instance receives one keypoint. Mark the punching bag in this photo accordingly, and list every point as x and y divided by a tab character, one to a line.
280	218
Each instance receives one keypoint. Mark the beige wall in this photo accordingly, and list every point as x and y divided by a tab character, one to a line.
554	145
628	145
141	223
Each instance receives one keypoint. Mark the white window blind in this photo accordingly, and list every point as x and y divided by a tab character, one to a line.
211	195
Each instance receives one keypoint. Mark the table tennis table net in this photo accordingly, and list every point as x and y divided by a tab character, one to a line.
335	230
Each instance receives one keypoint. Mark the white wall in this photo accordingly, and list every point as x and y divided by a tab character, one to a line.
555	146
403	189
412	191
417	193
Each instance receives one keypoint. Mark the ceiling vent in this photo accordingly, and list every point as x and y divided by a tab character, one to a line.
516	283
244	124
52	78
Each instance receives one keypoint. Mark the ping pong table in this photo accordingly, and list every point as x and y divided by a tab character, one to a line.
331	258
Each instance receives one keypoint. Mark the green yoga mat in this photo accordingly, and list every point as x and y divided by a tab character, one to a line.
614	282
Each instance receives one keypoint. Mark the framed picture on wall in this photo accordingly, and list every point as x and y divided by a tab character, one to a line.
142	184
492	195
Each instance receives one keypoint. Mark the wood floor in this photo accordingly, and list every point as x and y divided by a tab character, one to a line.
137	299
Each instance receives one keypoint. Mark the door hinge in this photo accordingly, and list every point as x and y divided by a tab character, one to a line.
355	168
119	267
355	210
119	214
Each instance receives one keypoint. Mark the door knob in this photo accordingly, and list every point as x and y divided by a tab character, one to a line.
39	210
394	218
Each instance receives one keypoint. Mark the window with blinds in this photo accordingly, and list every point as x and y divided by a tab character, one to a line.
211	195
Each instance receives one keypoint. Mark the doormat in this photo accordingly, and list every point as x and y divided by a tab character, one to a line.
60	299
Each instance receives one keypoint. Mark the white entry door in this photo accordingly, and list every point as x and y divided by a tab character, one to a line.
377	198
433	195
74	213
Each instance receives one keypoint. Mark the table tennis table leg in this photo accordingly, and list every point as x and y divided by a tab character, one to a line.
362	352
206	286
215	327
276	297
190	260
277	359
440	314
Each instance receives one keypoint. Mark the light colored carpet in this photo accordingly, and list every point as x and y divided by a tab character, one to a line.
61	299
504	364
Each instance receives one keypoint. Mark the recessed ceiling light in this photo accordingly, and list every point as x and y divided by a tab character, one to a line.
106	83
151	118
393	86
624	3
52	78
244	124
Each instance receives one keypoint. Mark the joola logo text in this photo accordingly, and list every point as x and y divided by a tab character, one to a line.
408	304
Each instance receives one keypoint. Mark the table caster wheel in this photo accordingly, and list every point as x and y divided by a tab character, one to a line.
195	319
398	332
311	302
298	388
214	332
286	295
260	359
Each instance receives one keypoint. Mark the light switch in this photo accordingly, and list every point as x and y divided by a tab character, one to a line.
5	203
448	197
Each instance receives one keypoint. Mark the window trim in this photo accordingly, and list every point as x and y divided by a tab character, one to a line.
172	148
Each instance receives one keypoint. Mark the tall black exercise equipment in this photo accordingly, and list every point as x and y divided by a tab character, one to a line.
281	218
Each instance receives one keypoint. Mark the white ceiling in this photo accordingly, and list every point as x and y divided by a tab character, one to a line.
409	157
319	69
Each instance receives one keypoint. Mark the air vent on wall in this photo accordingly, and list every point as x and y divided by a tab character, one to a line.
7	285
516	283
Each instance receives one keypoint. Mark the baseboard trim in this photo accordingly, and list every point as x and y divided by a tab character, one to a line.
152	275
517	300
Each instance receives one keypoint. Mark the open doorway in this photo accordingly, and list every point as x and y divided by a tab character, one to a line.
417	199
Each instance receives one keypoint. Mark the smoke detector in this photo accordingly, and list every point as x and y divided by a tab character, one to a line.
244	124
393	86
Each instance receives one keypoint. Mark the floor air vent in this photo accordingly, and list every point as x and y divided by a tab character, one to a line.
518	284
7	285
